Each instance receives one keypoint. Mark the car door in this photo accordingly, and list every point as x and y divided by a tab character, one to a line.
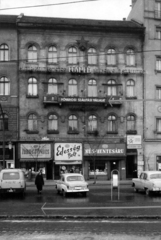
139	184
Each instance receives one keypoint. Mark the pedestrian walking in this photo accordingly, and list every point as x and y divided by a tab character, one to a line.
39	182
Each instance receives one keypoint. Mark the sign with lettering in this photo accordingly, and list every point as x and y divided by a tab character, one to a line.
77	99
68	151
110	149
35	151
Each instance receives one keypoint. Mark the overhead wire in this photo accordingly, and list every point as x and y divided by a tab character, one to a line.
47	5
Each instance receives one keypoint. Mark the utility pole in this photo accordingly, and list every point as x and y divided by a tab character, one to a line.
3	136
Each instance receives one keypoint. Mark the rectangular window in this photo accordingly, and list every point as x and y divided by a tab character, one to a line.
158	33
158	92
158	9
158	63
158	125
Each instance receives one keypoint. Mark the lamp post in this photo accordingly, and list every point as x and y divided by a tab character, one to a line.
3	136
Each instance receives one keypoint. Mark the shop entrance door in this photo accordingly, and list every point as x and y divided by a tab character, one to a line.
131	167
114	165
49	170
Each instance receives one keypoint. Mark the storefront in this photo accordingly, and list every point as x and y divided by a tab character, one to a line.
101	159
35	156
67	158
9	157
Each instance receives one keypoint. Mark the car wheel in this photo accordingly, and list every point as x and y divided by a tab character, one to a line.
64	193
147	192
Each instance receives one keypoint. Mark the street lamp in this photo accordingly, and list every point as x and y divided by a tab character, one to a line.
3	136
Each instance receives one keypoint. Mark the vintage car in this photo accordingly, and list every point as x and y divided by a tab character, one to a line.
149	181
12	180
72	183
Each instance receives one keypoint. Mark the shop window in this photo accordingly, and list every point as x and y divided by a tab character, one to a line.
158	161
111	57
92	88
92	57
111	88
53	123
4	86
92	123
32	122
111	124
130	88
32	87
52	86
131	123
130	57
72	124
72	88
158	63
4	52
52	55
72	55
158	92
32	54
158	125
3	120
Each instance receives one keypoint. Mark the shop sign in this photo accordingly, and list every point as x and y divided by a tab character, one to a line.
35	151
134	141
76	99
68	151
111	149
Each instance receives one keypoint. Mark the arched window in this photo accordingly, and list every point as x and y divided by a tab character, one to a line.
32	54
111	124
52	55
111	88
32	122
111	57
92	57
3	121
52	86
92	123
72	55
4	86
72	88
130	57
130	88
131	122
92	88
32	87
4	52
73	123
52	123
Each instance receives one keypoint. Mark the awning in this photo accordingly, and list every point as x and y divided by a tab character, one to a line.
35	160
68	162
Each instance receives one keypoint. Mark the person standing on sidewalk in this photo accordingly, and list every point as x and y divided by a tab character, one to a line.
39	182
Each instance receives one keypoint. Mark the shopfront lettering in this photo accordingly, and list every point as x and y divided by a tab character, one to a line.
71	151
68	151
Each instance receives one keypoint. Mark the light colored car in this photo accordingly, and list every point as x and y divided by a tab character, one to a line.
72	183
12	180
149	181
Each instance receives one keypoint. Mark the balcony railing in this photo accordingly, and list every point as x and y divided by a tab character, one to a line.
61	100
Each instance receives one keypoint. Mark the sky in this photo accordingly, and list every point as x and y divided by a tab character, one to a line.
91	9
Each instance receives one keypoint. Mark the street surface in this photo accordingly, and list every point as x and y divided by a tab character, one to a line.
97	203
79	230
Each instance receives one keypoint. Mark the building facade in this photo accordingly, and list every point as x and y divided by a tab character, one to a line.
9	131
148	12
80	86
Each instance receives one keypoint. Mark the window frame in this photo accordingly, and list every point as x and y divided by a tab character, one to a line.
112	126
33	86
53	59
6	122
72	124
92	88
130	57
52	123
92	123
92	56
111	57
130	123
32	123
4	53
130	89
32	54
53	84
4	86
72	88
72	55
158	63
112	89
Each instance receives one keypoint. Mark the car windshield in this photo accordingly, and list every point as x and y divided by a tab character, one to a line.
74	178
11	176
155	176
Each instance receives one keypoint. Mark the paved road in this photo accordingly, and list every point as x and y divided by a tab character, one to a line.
98	203
80	230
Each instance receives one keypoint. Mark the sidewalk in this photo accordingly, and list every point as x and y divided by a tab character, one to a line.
90	182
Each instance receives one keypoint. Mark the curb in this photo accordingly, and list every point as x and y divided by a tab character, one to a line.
79	217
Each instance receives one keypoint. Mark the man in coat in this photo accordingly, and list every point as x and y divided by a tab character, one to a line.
39	182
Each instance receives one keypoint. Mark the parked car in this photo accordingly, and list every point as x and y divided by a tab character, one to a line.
148	181
12	180
72	183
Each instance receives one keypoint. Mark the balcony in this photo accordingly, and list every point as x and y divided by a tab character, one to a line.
82	101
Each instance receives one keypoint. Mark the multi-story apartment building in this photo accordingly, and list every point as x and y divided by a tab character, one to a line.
80	95
148	12
8	91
